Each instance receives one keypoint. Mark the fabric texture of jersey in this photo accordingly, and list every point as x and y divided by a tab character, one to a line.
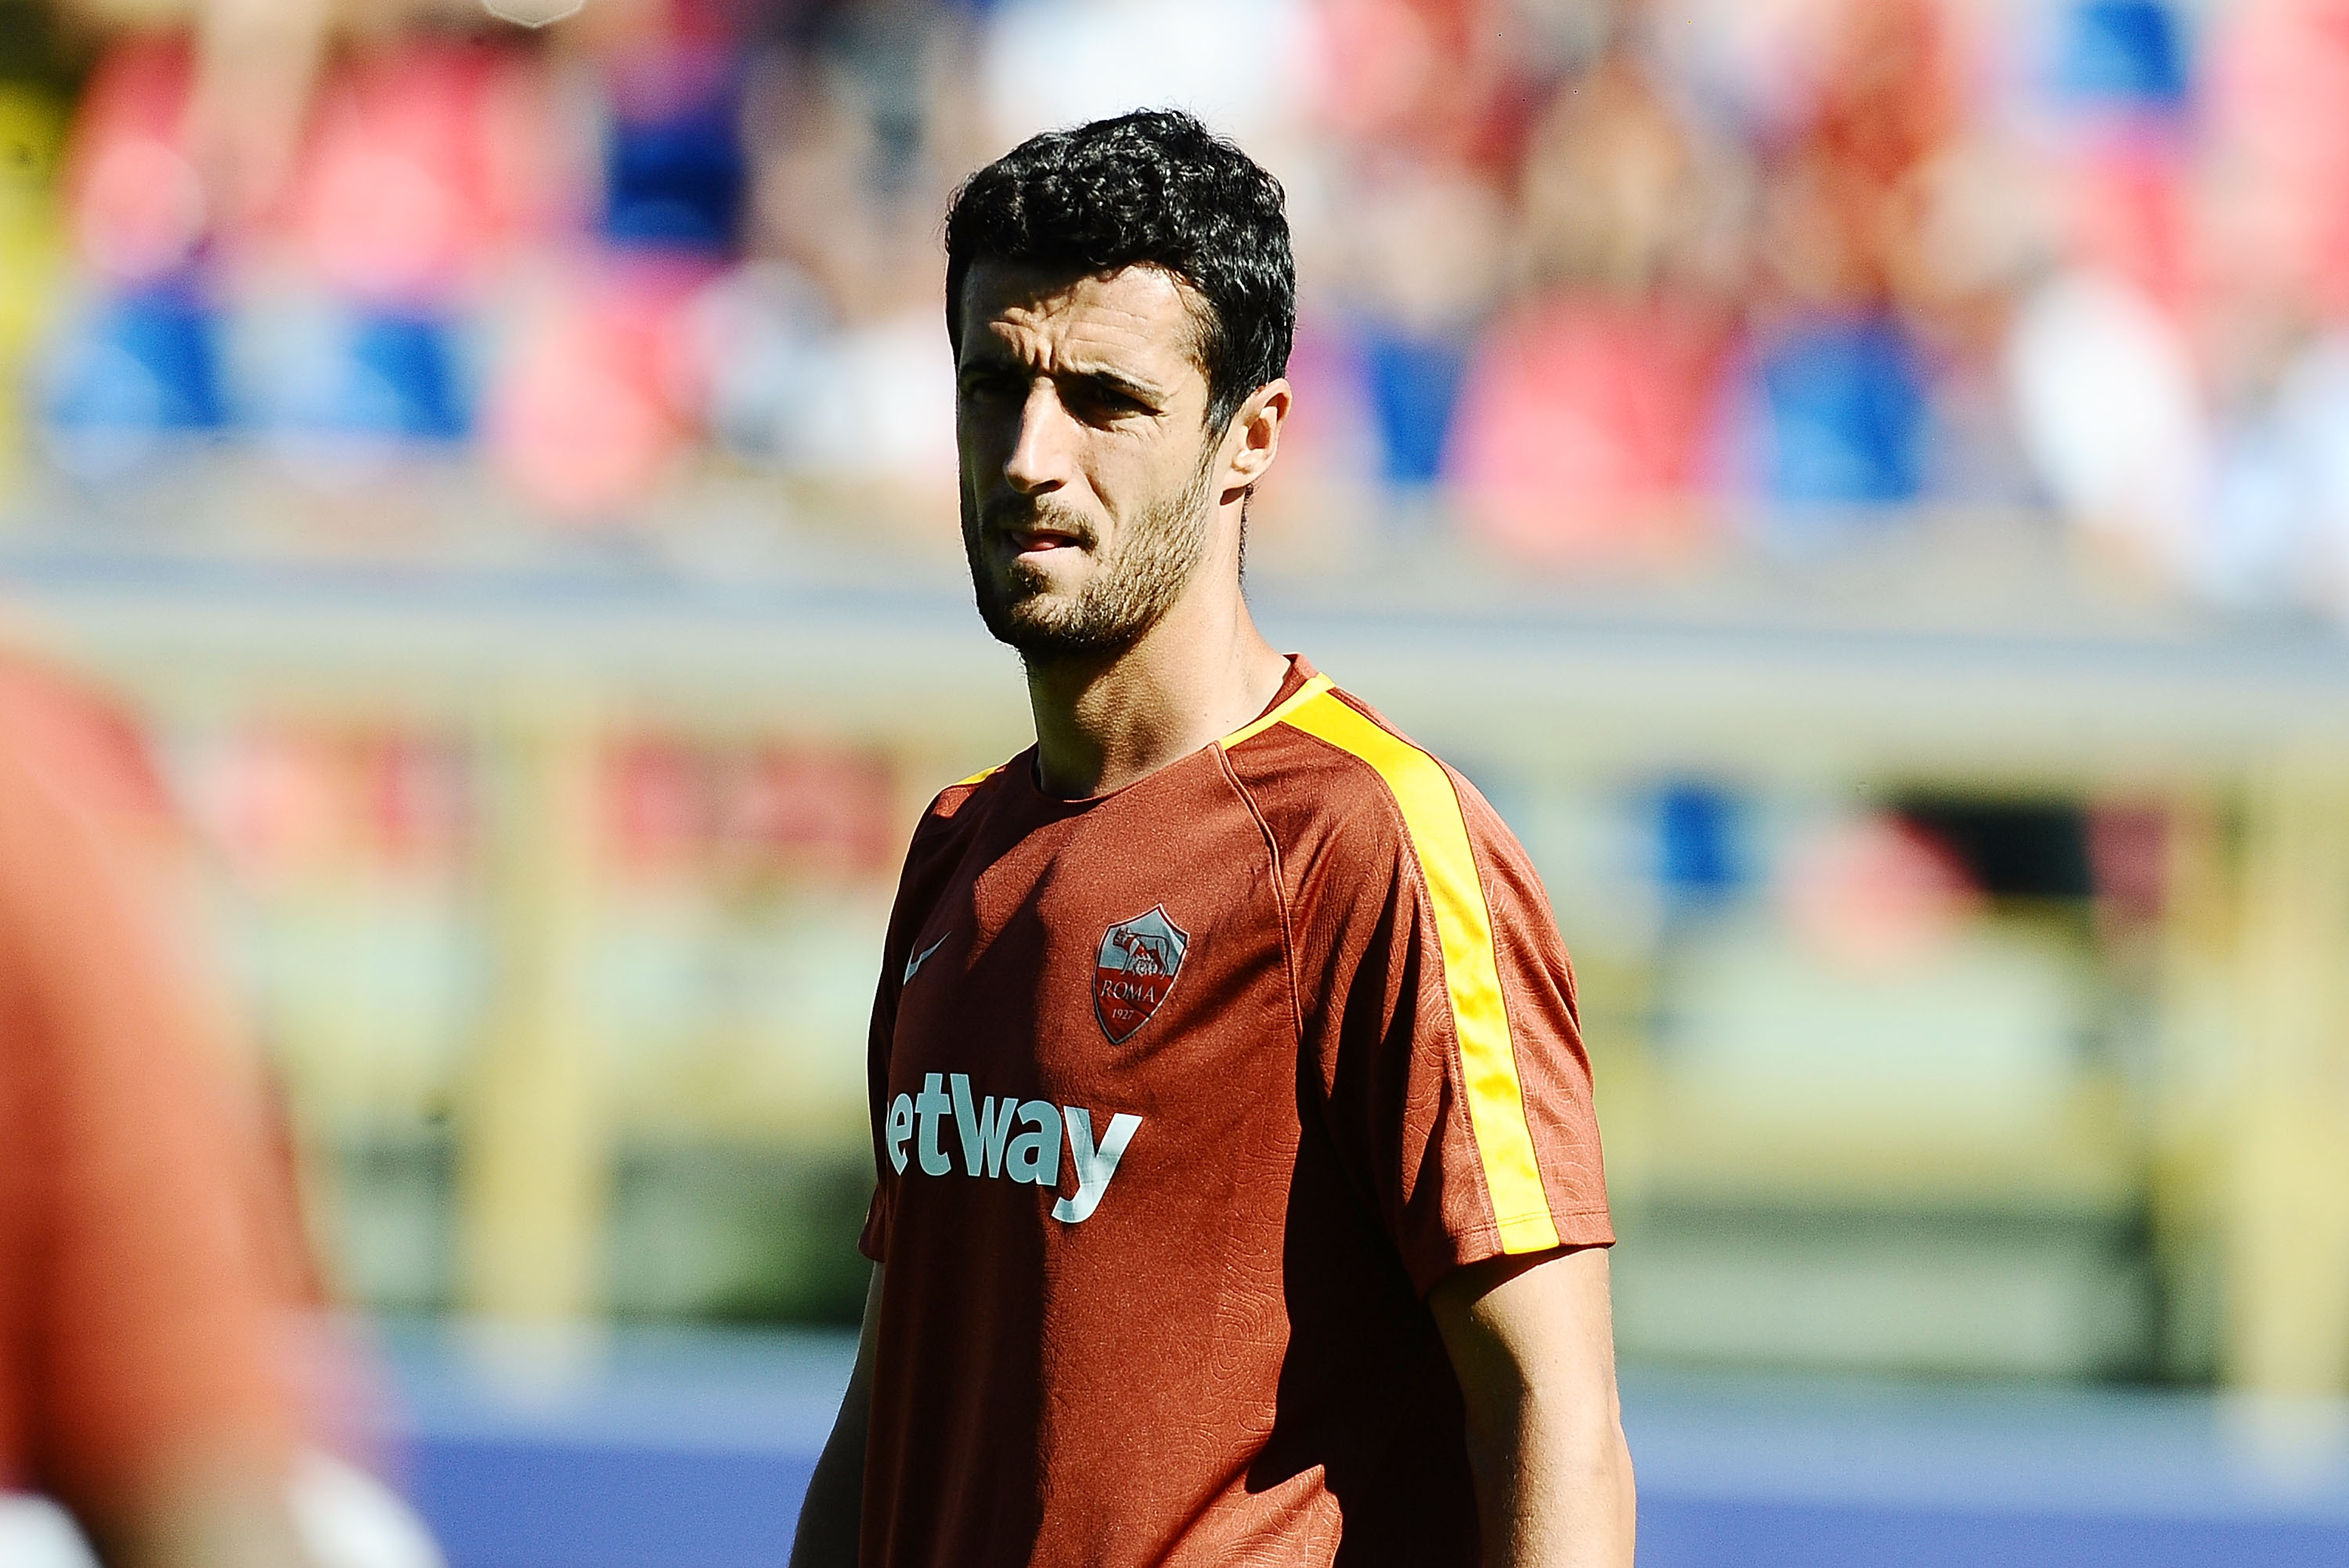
1183	1097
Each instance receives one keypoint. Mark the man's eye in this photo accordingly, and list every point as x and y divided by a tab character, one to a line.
989	384
1103	402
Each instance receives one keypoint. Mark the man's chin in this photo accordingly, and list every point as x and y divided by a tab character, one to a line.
1043	630
1034	638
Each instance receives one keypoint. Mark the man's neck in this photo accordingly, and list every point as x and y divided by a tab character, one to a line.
1202	671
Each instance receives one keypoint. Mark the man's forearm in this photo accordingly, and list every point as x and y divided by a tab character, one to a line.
1532	1341
831	1514
1556	1489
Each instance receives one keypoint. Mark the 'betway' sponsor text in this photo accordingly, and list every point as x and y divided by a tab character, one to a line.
990	1147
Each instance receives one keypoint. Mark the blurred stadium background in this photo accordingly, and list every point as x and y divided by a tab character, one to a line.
1863	484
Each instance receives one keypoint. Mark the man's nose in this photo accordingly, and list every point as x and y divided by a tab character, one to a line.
1040	457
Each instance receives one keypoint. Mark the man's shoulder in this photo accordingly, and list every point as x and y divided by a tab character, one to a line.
1332	776
949	803
952	816
962	802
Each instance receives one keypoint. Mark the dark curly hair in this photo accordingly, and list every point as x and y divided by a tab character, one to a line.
1152	187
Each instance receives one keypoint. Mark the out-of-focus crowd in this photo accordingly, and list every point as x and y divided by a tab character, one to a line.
1597	282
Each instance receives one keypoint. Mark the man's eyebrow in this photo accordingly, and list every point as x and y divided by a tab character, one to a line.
983	355
1118	381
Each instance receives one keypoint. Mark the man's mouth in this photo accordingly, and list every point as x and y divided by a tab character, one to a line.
1041	538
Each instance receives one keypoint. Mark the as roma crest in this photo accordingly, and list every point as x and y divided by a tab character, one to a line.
1138	963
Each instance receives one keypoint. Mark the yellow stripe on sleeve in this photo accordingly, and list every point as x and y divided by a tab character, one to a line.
1296	699
1472	973
981	777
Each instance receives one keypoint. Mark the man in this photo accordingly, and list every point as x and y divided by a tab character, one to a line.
1239	1195
140	1357
151	1266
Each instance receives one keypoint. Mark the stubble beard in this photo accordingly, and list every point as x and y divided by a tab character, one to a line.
1128	591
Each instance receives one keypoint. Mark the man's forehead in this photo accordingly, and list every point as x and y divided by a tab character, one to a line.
1143	309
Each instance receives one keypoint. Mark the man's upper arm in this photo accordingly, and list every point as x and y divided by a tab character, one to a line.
1540	1322
1442	1009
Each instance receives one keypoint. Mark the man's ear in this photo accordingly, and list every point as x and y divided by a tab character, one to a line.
1253	438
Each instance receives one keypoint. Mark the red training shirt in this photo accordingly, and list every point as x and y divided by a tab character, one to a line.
1183	1097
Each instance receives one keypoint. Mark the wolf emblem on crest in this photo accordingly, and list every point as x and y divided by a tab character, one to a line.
1136	967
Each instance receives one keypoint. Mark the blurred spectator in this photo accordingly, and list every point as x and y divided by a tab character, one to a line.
590	413
826	352
2109	400
2111	410
2279	70
857	135
1843	196
1447	81
2124	84
152	1269
1840	405
1589	404
2276	306
426	162
2278	529
1429	249
140	207
1048	63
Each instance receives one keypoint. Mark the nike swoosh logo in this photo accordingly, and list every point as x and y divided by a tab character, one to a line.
918	959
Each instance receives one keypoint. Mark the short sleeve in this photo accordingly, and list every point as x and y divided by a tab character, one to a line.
874	1240
929	859
1441	1007
151	1330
